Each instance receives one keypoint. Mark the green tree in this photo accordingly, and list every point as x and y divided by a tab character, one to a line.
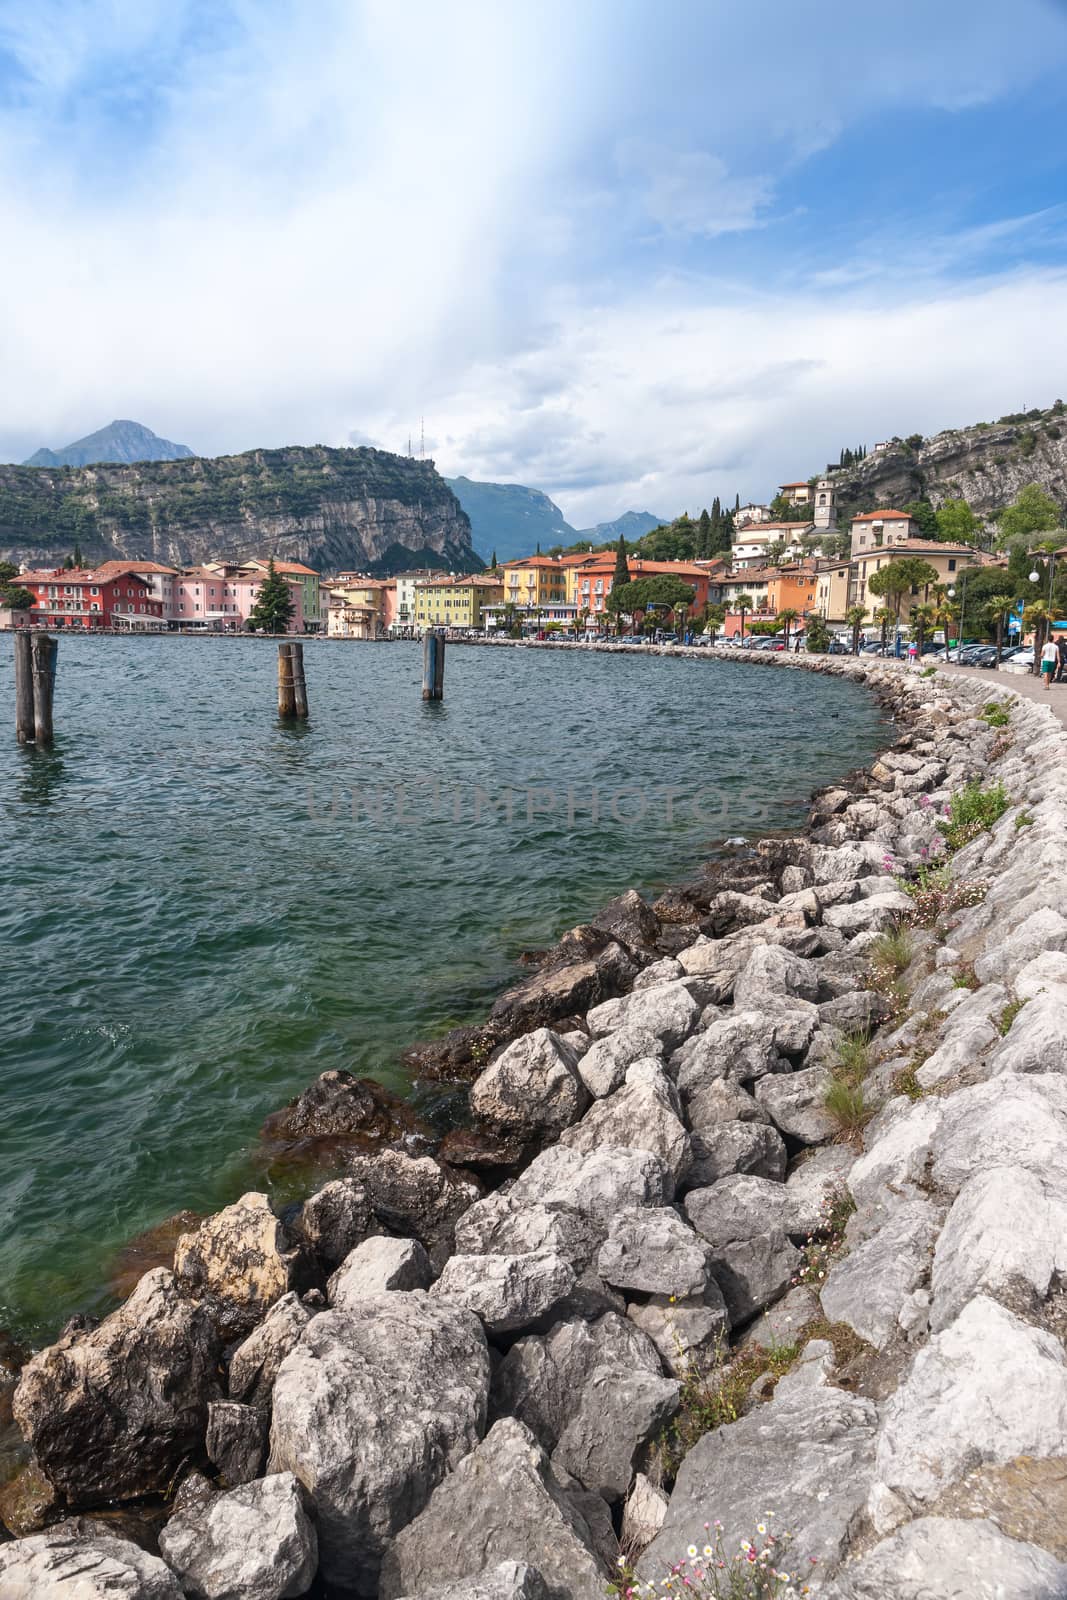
704	535
1032	511
714	617
77	555
744	603
899	578
854	617
622	571
1038	618
274	604
922	618
786	618
996	609
884	617
817	634
924	516
945	614
492	564
15	598
7	572
957	523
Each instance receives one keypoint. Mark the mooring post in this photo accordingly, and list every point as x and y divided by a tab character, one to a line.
43	652
286	689
300	693
23	689
433	666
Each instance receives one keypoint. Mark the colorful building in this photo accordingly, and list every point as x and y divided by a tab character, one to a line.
874	529
294	572
793	589
536	581
455	602
590	577
831	595
222	597
359	608
97	598
947	560
796	494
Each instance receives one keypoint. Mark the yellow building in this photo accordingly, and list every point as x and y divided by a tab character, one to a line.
455	602
947	560
831	598
536	581
355	609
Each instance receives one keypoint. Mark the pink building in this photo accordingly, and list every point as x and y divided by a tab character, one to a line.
224	598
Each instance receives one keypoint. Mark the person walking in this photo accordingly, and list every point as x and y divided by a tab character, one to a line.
1061	669
913	653
1050	656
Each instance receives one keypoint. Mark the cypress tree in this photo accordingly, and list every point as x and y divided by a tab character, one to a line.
622	570
492	564
704	535
274	603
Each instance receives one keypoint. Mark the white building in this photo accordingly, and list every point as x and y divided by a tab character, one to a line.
745	516
825	512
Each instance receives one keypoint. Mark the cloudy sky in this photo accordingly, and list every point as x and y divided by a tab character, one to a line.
632	252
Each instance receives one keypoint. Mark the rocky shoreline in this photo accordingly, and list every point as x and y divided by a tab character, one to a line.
761	1209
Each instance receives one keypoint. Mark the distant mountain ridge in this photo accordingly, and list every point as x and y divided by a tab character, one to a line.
337	510
632	524
121	441
513	520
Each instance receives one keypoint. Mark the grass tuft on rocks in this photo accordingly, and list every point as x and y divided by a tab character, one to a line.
1009	1014
971	811
906	1082
996	715
714	1396
844	1098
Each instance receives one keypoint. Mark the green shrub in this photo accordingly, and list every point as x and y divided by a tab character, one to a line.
996	715
927	672
935	894
1024	820
905	1082
893	950
972	810
847	1106
1009	1014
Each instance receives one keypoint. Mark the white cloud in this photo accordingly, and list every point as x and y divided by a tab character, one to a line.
691	191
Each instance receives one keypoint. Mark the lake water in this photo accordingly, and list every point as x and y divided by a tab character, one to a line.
203	909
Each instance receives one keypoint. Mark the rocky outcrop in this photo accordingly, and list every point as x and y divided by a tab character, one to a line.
253	1543
336	510
111	1412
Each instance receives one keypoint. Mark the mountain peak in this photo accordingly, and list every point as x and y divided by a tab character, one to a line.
121	441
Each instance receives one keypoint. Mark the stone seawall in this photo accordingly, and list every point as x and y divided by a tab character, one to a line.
759	1221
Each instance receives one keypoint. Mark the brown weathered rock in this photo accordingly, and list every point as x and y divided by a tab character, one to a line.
236	1439
631	920
111	1412
339	1108
152	1248
677	906
481	1149
334	1220
244	1258
28	1502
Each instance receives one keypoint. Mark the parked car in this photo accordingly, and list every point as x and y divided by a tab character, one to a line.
1021	658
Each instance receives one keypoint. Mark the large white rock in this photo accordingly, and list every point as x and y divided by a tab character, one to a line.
869	1286
653	1252
796	1104
806	1456
987	1388
944	1558
532	1087
1005	1235
726	1148
503	1502
669	1012
645	1114
253	1543
371	1409
1044	929
685	1332
1037	1038
596	1183
506	1292
772	972
813	1184
738	1207
509	1580
66	1566
603	1066
618	1415
496	1226
377	1266
254	1364
895	1164
1013	1120
737	1048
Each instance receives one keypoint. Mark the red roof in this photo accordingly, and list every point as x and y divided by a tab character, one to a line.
115	569
880	516
754	530
801	483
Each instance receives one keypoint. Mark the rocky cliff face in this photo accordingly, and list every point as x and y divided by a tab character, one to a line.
333	509
986	464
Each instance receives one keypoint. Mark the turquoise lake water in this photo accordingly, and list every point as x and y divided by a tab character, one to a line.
203	909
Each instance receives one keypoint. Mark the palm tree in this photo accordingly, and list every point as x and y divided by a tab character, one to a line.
743	603
714	617
1037	616
788	616
884	616
997	607
922	617
945	614
854	617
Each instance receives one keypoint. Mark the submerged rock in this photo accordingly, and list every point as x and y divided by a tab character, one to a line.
340	1108
112	1412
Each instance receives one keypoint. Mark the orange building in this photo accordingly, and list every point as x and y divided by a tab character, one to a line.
589	580
793	589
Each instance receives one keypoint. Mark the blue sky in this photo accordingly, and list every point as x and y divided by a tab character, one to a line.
632	253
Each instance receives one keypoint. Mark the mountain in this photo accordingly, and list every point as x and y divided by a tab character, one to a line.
632	524
986	464
336	510
119	441
510	519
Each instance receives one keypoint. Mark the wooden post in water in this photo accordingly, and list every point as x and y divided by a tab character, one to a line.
433	666
43	652
23	689
300	693
286	688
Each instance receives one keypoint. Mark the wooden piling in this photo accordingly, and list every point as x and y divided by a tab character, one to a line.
43	652
286	686
300	693
23	689
433	666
